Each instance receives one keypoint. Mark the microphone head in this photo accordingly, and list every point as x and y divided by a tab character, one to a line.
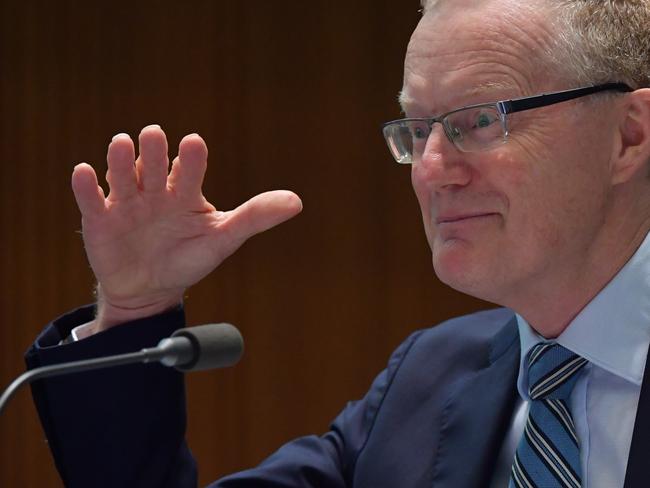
215	346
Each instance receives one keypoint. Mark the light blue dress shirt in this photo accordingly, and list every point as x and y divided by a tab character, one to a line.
613	333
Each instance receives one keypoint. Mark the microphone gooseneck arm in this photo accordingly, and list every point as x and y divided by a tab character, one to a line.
192	349
144	356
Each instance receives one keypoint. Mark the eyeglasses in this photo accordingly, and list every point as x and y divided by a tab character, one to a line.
477	127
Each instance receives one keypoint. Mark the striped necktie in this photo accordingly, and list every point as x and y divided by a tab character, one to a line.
548	454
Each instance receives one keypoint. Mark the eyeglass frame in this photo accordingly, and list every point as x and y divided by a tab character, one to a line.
506	107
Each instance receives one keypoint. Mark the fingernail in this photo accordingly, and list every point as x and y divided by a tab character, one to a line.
152	126
121	134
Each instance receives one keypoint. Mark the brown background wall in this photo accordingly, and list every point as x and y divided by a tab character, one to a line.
287	94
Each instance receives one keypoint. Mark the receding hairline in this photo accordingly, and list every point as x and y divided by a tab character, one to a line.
596	41
404	99
515	81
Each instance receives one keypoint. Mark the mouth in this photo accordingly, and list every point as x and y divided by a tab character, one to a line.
453	218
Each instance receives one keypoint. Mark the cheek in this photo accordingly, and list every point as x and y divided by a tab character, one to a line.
419	179
527	184
557	199
530	189
422	193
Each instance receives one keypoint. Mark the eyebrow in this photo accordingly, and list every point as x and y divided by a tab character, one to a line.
404	99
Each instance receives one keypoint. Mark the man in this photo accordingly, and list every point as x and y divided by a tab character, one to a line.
539	203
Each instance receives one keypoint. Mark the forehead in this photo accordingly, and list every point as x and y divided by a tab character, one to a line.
465	51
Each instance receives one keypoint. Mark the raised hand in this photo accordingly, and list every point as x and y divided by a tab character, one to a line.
155	234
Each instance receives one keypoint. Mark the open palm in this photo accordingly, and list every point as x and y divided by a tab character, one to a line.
155	234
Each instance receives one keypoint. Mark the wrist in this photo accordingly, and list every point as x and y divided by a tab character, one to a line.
115	312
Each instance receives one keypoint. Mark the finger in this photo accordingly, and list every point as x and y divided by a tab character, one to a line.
121	175
152	164
87	192
260	213
188	169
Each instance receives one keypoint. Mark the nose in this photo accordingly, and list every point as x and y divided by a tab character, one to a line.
442	166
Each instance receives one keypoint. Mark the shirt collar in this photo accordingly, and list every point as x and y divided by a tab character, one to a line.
612	331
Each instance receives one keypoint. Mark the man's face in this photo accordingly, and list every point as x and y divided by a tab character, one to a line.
505	223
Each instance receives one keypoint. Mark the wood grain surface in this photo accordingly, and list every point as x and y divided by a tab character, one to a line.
288	94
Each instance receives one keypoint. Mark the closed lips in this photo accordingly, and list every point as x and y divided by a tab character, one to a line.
446	219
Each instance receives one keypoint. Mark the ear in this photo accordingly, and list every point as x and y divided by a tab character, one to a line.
633	149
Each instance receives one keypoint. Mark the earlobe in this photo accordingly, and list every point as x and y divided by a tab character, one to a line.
632	151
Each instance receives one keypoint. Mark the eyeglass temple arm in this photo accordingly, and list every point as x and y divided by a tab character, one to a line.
521	104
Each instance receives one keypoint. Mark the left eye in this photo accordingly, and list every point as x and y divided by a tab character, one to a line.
419	133
484	120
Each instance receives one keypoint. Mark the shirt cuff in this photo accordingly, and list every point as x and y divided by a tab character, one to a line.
78	333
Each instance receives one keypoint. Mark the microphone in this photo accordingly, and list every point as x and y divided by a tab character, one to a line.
202	347
191	349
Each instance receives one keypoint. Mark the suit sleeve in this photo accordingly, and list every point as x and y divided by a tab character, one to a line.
122	426
126	426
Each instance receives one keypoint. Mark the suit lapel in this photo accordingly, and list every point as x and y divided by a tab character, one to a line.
478	416
636	475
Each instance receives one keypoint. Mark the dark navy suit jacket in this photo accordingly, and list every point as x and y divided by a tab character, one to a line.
436	417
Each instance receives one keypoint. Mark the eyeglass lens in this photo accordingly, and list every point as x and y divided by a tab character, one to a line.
471	129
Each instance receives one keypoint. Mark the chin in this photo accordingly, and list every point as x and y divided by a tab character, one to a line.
463	272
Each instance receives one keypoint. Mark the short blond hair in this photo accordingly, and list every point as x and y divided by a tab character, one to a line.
599	40
606	40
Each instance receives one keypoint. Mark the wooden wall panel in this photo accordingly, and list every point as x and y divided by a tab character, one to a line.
288	94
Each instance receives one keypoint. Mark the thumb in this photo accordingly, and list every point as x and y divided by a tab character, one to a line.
260	213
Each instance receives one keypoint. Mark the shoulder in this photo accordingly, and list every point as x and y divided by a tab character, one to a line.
465	343
468	331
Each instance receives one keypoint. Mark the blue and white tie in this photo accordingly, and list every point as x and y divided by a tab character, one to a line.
548	454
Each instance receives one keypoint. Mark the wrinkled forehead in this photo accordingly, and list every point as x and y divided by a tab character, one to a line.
465	51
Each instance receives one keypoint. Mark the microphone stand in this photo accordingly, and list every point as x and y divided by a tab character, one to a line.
193	349
146	355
